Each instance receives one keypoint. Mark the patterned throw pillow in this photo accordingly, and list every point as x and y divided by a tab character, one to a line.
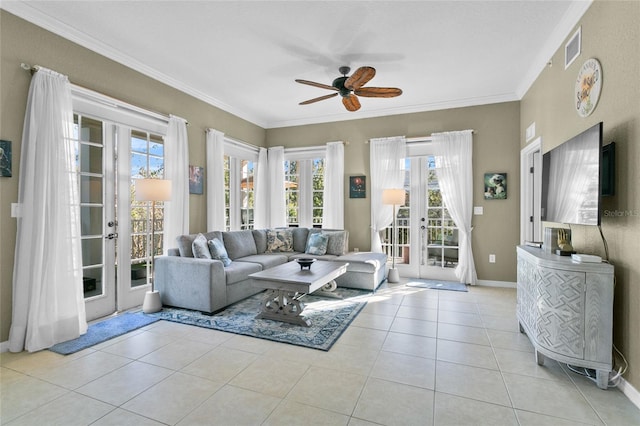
200	248
317	244
337	242
218	252
279	240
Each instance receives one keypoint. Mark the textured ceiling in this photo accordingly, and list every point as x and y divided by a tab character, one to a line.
243	56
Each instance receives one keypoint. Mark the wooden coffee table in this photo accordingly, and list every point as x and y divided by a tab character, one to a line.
287	283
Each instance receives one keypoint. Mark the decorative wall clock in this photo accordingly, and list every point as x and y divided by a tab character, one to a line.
588	86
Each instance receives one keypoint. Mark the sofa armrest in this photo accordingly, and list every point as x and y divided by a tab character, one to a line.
191	283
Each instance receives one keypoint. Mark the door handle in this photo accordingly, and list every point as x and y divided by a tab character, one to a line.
423	227
112	236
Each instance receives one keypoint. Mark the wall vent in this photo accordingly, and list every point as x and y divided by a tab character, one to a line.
572	48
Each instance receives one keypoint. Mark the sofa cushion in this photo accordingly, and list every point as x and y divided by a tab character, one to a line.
218	252
265	260
239	244
199	248
300	238
317	244
337	243
240	271
279	240
260	237
314	256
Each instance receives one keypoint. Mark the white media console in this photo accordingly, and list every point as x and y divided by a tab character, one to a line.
566	309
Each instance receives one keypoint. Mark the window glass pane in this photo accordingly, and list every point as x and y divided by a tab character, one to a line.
91	130
92	281
91	220
156	167
90	189
138	165
90	159
92	250
156	145
139	142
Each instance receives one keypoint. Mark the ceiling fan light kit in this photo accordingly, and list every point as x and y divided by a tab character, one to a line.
352	87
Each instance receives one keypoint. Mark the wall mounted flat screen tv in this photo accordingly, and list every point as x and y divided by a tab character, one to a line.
571	180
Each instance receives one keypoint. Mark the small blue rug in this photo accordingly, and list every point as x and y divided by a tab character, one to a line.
437	285
329	319
103	331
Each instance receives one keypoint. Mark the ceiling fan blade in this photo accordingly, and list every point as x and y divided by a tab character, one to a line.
320	85
321	98
351	102
359	78
378	92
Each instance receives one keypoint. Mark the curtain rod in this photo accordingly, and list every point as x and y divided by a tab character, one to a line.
116	103
421	138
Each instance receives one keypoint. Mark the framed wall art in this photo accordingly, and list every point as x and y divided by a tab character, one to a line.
196	176
495	186
357	187
5	158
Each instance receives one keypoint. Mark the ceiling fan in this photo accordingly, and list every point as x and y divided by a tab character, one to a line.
351	87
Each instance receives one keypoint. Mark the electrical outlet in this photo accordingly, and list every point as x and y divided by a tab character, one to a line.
492	258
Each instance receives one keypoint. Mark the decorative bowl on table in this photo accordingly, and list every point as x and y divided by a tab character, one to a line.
305	262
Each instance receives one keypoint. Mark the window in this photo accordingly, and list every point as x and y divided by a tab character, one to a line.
304	187
240	162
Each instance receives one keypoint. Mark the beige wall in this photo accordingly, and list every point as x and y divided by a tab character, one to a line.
24	42
495	149
610	33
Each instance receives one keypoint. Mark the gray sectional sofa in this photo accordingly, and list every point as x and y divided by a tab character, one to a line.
207	285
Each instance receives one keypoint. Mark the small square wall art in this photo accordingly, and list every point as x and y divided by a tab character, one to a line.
495	186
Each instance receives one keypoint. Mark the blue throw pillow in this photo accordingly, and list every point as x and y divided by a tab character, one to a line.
218	251
317	244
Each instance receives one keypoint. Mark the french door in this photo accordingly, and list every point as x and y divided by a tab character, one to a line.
114	228
427	236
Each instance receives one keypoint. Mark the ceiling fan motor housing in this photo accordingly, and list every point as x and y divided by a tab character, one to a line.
338	83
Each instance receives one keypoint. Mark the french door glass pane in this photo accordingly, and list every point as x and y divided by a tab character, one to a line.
147	161
88	136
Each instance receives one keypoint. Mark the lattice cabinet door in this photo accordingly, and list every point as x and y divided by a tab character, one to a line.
560	306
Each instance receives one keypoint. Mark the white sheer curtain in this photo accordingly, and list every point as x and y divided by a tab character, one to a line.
333	212
215	180
261	189
453	155
277	196
176	169
386	171
48	300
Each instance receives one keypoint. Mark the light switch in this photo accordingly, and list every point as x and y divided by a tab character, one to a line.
478	210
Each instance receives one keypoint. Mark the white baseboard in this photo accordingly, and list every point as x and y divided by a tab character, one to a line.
630	392
504	284
4	346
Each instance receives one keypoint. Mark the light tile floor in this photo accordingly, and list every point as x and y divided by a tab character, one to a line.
412	357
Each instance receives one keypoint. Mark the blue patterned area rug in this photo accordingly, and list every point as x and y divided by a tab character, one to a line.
103	331
437	285
329	319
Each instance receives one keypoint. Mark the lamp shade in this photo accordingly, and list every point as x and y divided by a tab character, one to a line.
153	190
394	197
